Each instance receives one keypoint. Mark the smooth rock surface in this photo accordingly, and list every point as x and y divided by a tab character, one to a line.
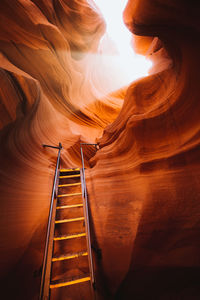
143	183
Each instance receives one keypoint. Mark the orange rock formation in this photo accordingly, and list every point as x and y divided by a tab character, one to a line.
144	181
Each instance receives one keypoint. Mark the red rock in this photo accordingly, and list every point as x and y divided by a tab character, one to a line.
143	183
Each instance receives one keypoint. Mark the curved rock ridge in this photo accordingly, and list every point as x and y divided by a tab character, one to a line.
54	88
144	182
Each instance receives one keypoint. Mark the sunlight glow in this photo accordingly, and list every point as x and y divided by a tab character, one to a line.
133	66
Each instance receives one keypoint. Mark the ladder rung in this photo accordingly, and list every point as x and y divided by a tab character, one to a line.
69	256
69	236
71	282
70	176
69	170
68	195
69	184
69	220
70	206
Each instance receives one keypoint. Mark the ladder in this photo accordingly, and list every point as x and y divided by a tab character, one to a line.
68	269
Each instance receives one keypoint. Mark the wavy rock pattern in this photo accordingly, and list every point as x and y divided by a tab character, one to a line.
144	181
50	69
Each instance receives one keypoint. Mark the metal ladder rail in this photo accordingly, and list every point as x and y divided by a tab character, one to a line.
86	213
45	278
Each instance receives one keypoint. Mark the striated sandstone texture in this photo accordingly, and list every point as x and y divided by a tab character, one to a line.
143	183
53	89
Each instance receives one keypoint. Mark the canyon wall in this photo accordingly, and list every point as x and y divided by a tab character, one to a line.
53	89
143	182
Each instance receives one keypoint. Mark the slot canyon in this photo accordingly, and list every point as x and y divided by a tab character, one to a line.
59	83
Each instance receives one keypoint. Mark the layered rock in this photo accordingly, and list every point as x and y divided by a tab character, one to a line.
143	183
50	69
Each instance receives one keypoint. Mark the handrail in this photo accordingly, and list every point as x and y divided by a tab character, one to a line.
49	219
91	265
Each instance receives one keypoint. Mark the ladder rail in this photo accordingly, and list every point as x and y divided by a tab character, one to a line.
53	195
86	213
87	225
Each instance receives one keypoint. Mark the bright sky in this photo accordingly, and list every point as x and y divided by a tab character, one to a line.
134	66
